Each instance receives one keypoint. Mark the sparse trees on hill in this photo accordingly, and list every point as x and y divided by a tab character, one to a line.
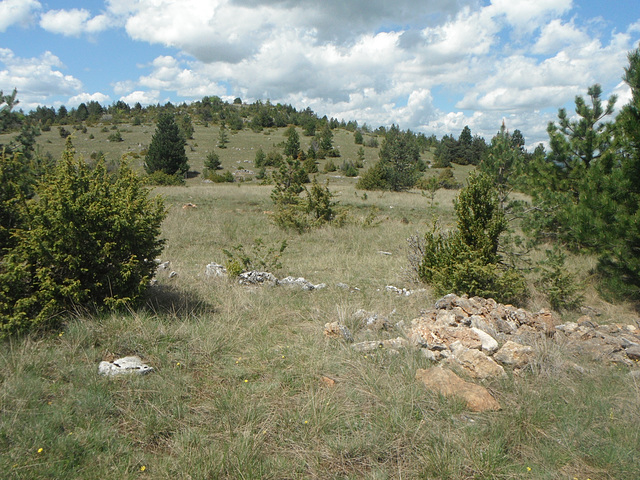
399	165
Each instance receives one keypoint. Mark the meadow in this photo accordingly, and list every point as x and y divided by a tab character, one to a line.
239	388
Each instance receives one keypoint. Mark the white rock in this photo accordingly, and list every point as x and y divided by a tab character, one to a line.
124	366
489	344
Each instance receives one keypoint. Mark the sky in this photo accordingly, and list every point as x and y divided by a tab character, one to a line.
431	66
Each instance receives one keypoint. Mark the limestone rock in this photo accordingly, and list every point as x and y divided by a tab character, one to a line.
215	270
633	352
476	363
301	283
124	366
488	343
447	383
514	354
257	278
337	330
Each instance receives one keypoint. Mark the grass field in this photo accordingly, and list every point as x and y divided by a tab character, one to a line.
237	390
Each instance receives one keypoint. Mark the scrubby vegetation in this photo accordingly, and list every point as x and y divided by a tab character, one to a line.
239	388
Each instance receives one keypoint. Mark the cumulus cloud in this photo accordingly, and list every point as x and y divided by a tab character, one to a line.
74	22
36	78
142	97
376	61
20	12
89	97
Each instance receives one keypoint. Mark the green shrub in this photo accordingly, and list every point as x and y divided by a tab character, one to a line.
89	240
257	257
212	162
226	177
160	178
348	169
559	286
466	261
330	166
115	137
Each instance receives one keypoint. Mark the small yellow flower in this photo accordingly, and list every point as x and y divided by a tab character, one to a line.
528	469
143	468
246	381
40	450
282	356
178	364
306	421
60	334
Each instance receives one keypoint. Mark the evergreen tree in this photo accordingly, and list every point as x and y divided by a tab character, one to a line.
166	152
223	137
292	146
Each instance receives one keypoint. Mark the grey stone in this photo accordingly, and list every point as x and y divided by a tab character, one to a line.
489	344
215	270
124	366
633	352
257	278
301	283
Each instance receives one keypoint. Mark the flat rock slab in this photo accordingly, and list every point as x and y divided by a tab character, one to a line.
124	366
447	383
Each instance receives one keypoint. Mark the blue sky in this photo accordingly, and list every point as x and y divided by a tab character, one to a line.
432	66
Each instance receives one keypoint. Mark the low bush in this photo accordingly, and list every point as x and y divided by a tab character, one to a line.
89	240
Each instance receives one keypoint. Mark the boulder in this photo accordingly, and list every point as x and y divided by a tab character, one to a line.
476	363
124	366
514	354
447	383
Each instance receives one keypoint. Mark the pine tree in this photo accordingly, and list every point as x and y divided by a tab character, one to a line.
166	152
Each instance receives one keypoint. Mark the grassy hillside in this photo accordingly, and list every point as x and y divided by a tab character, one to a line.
238	390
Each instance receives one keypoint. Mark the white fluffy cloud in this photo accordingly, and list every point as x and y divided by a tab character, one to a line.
86	97
17	12
142	97
376	61
36	78
74	22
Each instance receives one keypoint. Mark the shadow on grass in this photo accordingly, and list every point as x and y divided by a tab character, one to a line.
169	300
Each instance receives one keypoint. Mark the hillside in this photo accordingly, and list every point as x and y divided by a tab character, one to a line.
246	384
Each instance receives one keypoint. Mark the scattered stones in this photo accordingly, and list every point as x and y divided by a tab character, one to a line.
403	291
215	270
337	330
124	366
173	274
188	206
373	321
163	265
447	383
301	283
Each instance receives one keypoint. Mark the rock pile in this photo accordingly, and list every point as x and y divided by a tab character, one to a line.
482	338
